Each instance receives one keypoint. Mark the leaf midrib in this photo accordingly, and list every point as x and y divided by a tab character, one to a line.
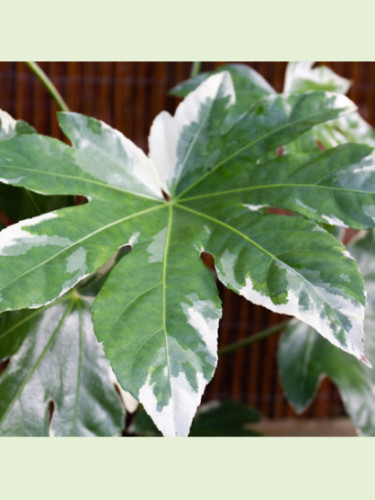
195	138
103	228
262	249
138	350
30	316
85	180
274	186
164	285
79	368
37	362
257	140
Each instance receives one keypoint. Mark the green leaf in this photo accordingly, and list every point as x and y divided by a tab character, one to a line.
55	364
142	425
19	203
214	419
225	418
248	84
157	314
346	129
355	129
9	127
301	77
249	87
184	88
300	183
305	357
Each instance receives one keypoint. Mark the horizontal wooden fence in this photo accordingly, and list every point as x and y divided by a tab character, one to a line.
128	95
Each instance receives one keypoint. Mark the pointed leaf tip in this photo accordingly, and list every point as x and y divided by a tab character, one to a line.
366	362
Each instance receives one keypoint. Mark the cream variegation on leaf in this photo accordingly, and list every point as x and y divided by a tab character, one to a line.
203	187
305	358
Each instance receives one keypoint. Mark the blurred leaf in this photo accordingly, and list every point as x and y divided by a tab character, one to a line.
305	357
54	368
225	418
302	77
216	418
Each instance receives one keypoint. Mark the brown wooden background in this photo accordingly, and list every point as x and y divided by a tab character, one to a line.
128	95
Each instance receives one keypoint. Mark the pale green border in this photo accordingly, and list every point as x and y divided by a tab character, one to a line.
196	29
264	468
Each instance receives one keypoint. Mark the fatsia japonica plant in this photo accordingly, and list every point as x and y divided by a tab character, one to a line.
125	267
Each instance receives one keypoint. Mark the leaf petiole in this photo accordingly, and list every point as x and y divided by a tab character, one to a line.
253	338
195	69
37	70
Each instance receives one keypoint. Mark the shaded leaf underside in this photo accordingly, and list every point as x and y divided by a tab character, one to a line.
57	381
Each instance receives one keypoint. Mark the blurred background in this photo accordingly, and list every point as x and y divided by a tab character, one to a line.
127	96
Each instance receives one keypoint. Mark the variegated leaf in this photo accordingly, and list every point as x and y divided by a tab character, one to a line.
248	84
18	203
56	380
249	87
305	357
302	77
157	313
213	419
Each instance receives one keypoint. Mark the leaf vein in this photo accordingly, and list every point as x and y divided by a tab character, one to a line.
111	224
275	186
36	364
273	131
272	256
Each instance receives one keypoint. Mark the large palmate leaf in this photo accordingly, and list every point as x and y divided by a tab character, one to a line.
19	203
200	189
55	378
305	357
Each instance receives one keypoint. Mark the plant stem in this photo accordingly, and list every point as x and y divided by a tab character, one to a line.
253	338
195	69
37	70
57	97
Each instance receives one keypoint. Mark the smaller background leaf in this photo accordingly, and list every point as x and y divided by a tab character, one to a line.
55	378
302	77
304	357
249	86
